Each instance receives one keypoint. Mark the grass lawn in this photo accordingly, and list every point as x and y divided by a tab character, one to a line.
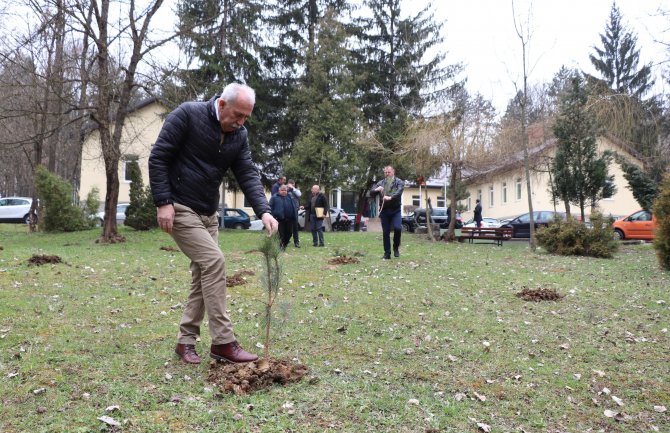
435	341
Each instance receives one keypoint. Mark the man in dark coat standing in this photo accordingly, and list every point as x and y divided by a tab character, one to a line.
390	191
478	214
284	211
197	145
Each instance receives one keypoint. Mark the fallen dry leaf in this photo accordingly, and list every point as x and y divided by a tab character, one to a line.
484	427
660	409
109	421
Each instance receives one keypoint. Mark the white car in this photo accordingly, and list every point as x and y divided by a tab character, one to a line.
486	223
120	213
15	209
256	224
336	214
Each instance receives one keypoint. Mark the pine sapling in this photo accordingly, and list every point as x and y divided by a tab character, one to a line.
269	247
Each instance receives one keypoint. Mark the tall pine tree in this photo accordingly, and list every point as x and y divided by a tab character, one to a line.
580	175
618	60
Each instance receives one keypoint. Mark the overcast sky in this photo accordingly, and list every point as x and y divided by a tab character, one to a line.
481	34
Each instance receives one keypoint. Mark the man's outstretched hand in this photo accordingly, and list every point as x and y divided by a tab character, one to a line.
270	223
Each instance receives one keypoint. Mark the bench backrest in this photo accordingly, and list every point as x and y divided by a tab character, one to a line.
504	232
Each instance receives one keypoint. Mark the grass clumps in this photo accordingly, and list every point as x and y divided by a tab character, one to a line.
572	238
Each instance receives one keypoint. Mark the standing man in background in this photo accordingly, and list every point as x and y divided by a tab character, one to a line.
275	187
295	194
197	145
390	191
316	200
478	214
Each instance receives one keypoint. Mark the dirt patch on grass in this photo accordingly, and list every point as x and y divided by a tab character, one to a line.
537	295
237	279
43	259
241	379
343	260
170	249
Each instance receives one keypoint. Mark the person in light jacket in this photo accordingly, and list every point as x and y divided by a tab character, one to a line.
390	191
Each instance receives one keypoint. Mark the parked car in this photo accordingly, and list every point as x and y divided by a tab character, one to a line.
409	223
638	225
256	224
120	214
15	209
438	216
487	222
338	218
234	218
521	224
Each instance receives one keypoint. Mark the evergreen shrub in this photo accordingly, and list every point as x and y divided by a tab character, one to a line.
57	211
572	238
141	212
661	211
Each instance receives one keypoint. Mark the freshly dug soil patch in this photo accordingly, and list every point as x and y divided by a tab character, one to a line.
343	260
243	379
170	249
42	259
237	279
537	295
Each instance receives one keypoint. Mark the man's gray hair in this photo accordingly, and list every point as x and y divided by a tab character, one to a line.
232	91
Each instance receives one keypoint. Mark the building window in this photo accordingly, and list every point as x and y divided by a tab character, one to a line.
518	188
491	201
469	204
126	171
440	202
503	194
247	203
479	195
416	200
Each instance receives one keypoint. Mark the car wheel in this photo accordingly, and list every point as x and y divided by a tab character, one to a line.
238	226
405	227
618	235
26	218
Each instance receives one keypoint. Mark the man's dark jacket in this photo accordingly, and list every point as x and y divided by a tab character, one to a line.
191	156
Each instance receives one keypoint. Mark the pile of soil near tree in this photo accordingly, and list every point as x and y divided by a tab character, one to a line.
241	379
343	260
537	295
170	249
43	259
237	279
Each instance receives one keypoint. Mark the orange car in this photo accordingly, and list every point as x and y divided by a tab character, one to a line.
639	225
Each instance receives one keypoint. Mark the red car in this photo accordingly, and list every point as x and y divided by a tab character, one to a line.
639	225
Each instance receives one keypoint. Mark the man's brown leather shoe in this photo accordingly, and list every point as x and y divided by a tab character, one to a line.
231	352
187	353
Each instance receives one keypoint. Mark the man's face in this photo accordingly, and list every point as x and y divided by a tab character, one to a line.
233	115
315	189
389	172
283	192
281	180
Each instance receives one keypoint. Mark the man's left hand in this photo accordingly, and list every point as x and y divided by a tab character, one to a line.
270	223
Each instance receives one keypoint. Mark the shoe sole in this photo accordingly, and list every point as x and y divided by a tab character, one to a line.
224	359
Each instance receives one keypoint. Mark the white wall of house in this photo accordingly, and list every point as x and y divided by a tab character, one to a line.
140	132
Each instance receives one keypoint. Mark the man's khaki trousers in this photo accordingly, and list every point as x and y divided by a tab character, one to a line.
198	237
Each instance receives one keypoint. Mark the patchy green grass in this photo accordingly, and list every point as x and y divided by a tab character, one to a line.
433	341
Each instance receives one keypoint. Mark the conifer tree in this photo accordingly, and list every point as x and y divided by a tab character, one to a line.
580	175
618	60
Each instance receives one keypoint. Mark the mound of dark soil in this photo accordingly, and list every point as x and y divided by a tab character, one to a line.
43	259
343	260
537	295
246	378
237	279
170	249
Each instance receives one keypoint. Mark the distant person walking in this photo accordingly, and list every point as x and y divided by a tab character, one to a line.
390	190
478	214
295	194
316	209
284	211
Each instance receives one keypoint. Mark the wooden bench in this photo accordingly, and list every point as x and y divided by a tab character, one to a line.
495	234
